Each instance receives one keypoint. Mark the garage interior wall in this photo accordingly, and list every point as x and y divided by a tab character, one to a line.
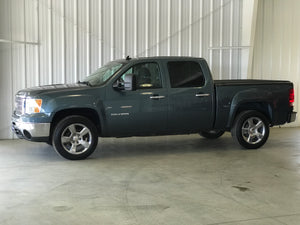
61	41
276	52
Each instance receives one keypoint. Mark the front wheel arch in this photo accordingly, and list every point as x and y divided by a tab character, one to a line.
89	113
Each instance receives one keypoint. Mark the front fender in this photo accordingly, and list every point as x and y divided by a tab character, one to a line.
71	101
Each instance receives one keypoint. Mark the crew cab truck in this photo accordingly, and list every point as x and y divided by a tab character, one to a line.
151	96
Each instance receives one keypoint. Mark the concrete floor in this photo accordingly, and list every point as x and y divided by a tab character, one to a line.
154	180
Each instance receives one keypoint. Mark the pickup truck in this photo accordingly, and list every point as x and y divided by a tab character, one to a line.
150	96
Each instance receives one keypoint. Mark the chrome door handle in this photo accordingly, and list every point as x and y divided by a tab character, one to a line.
202	95
157	97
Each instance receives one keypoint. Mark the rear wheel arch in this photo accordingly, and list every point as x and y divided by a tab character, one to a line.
261	107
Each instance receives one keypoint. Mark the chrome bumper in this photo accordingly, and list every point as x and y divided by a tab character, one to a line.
30	131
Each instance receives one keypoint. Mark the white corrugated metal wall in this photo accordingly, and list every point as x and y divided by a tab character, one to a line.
61	41
277	44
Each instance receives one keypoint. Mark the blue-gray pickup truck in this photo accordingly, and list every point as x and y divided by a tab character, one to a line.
150	96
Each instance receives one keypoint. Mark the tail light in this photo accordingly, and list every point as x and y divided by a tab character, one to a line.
291	97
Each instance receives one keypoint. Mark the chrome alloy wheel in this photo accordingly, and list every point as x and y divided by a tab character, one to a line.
253	130
76	138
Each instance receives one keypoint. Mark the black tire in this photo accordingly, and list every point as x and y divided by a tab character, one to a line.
212	134
251	129
75	138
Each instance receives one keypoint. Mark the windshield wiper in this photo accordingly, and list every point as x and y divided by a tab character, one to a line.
84	82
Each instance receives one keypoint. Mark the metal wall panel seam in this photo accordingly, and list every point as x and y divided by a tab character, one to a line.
75	31
281	47
190	26
221	41
278	23
63	38
169	29
38	67
87	35
112	29
124	28
146	28
157	27
239	37
289	48
211	12
201	28
12	135
25	39
261	38
272	25
50	41
257	57
88	38
135	28
100	33
231	39
179	26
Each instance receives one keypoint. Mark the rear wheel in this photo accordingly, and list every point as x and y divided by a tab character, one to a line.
212	134
75	138
251	129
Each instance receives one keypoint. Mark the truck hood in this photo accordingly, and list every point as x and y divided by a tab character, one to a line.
46	89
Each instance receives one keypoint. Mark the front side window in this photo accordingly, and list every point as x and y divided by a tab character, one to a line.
147	75
185	74
103	74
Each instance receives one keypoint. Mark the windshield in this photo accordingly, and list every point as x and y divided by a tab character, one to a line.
103	74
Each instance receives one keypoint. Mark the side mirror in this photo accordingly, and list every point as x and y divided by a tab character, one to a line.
119	85
130	82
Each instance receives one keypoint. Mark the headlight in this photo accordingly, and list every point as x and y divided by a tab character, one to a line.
33	105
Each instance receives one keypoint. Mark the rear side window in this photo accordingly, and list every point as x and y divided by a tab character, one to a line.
185	74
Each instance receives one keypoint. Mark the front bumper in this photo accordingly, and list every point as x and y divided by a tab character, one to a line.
31	131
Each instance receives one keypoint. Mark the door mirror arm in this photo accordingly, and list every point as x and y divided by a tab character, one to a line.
129	83
119	85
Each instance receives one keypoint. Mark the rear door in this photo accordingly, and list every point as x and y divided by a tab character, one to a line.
190	97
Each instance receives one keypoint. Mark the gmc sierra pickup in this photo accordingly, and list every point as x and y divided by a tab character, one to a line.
150	96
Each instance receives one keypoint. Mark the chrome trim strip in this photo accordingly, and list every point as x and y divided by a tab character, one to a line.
157	97
35	129
202	95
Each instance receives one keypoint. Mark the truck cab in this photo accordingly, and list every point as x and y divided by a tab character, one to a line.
175	96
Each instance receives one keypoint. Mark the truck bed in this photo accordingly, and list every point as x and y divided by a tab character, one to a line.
271	96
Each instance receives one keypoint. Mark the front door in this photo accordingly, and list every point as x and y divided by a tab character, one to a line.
142	111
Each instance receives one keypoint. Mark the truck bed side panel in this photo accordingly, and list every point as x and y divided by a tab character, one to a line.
269	97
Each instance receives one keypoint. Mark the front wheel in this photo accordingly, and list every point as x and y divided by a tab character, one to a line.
251	129
75	138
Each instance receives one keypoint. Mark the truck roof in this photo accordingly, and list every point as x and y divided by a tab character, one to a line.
161	58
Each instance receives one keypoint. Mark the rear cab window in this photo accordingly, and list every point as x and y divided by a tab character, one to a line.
184	74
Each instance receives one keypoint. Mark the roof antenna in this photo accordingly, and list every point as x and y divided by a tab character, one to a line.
128	57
